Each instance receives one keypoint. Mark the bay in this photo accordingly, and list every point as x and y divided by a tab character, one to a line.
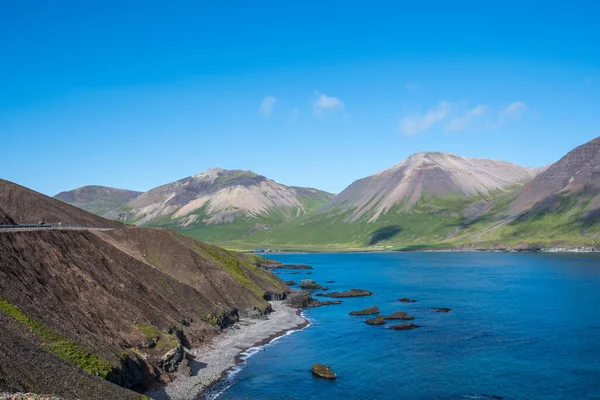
522	326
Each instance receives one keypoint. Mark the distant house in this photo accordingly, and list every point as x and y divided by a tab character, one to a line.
259	250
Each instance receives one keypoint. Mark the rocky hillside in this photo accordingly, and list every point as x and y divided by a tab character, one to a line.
100	200
221	204
426	174
577	172
25	206
216	205
119	304
563	201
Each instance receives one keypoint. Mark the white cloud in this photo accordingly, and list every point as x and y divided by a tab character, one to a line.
419	123
292	114
413	87
266	106
460	123
513	111
324	103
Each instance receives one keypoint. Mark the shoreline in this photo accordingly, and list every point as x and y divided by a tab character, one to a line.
590	249
214	361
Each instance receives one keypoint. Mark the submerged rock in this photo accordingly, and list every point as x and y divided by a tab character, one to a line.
349	293
404	327
398	315
442	309
407	300
317	303
330	282
289	266
323	371
366	311
376	321
309	284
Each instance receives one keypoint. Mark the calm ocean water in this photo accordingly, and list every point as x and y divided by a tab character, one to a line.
522	326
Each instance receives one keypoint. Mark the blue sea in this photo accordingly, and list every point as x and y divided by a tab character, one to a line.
522	326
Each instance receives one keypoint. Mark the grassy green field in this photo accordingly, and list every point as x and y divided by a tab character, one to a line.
434	222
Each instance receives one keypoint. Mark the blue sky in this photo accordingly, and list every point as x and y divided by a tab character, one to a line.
136	94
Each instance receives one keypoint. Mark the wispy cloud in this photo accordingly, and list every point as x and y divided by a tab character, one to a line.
266	106
513	111
460	123
418	123
324	103
414	87
292	114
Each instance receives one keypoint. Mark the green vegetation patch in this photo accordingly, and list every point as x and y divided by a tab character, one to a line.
164	341
63	347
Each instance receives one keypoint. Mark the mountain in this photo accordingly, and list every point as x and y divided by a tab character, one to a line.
563	201
443	200
91	313
426	174
100	200
21	205
425	200
577	172
217	205
221	204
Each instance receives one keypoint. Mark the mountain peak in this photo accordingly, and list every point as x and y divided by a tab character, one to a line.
212	174
427	173
429	157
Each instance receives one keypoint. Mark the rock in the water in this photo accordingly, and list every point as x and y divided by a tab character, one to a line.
376	321
407	300
404	327
317	303
289	266
349	293
290	283
309	284
442	309
323	371
298	299
330	282
398	315
366	311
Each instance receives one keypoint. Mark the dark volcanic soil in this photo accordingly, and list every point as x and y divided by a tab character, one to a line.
97	287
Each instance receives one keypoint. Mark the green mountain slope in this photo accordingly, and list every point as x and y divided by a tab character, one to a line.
216	205
428	201
99	200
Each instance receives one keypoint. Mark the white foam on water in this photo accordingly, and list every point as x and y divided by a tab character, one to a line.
245	355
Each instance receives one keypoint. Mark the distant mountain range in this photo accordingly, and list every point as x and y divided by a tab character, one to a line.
428	200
